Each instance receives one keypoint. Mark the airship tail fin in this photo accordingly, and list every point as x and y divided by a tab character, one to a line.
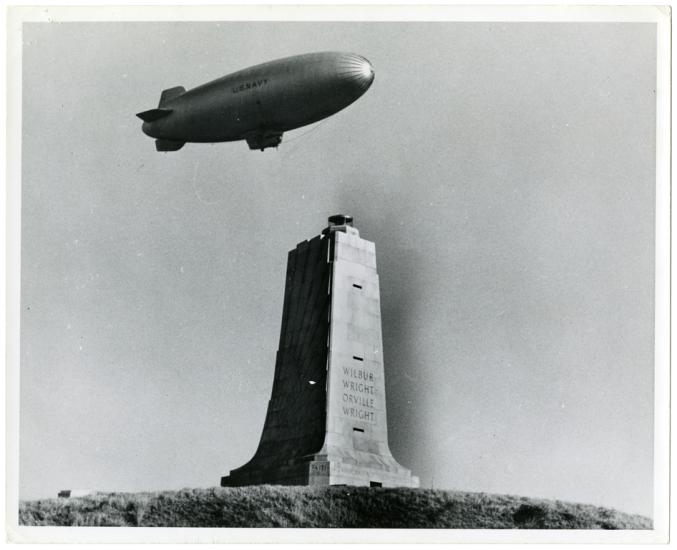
153	114
170	93
168	145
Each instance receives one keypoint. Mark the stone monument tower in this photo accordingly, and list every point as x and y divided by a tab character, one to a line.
326	419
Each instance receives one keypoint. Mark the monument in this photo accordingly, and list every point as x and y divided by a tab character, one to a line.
326	419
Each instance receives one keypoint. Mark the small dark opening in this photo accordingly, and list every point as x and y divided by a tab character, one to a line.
375	484
357	358
358	430
357	286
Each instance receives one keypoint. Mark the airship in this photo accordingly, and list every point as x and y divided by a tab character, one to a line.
260	103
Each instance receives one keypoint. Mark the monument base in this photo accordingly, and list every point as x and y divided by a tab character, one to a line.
343	468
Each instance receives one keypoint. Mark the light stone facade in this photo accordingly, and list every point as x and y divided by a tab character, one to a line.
326	420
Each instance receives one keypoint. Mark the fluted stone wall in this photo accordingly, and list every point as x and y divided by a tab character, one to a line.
295	421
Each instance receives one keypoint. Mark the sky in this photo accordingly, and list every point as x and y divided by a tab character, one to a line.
506	173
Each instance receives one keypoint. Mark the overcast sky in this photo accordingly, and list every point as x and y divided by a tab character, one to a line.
506	173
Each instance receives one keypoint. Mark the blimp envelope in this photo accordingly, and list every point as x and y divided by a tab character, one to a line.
260	103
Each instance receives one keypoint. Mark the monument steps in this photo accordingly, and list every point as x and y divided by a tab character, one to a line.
334	506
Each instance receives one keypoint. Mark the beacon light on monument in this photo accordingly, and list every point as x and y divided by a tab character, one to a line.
259	103
326	421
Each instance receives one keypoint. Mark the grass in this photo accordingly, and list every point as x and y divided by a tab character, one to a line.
347	507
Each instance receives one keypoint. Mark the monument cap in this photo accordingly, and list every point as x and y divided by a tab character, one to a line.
341	219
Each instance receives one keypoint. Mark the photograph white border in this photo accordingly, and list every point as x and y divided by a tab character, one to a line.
17	15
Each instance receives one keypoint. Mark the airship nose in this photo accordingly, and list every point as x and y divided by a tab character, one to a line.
358	71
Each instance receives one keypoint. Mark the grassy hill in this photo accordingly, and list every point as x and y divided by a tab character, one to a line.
355	507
